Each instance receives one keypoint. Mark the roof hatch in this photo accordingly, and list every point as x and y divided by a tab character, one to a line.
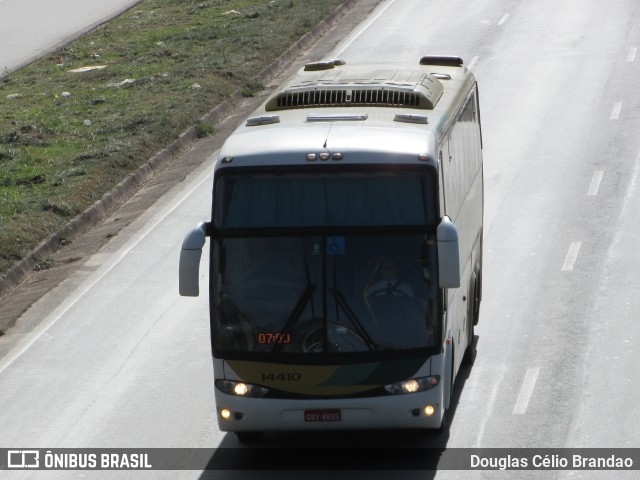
442	60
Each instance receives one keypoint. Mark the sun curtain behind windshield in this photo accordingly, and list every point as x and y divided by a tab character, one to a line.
325	200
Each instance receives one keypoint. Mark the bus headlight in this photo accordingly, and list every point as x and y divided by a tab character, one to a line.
413	385
241	389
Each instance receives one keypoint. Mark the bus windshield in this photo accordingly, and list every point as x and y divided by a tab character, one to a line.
324	295
346	199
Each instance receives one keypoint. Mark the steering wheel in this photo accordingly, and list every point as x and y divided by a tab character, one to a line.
341	337
393	290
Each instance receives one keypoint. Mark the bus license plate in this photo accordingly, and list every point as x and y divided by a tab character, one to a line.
331	415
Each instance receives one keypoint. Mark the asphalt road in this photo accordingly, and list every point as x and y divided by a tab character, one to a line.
119	360
29	28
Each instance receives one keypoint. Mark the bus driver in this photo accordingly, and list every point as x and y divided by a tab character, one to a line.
389	284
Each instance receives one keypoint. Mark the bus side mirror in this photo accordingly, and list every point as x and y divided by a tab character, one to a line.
189	275
448	254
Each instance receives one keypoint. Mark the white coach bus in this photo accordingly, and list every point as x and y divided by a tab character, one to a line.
346	250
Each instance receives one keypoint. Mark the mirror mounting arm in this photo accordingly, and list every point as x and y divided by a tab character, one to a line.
189	270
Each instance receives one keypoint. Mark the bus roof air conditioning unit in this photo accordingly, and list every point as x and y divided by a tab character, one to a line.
374	88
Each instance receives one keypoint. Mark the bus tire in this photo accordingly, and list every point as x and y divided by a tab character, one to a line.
477	297
471	352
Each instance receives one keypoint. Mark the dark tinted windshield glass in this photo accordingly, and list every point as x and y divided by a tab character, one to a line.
324	294
346	199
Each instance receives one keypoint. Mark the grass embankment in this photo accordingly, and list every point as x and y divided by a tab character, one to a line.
67	138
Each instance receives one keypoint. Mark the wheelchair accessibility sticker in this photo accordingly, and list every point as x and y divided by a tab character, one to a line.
336	245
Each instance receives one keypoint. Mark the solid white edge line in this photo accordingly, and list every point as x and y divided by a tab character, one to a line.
615	113
33	336
473	62
595	183
492	401
348	41
526	390
629	204
572	256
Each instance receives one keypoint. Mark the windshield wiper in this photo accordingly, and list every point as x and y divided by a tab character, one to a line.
344	305
295	315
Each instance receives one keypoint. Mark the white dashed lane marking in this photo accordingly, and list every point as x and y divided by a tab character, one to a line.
595	183
526	390
615	113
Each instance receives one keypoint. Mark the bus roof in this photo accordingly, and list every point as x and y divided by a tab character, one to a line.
356	114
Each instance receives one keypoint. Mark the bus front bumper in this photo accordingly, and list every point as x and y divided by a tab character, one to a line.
421	410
